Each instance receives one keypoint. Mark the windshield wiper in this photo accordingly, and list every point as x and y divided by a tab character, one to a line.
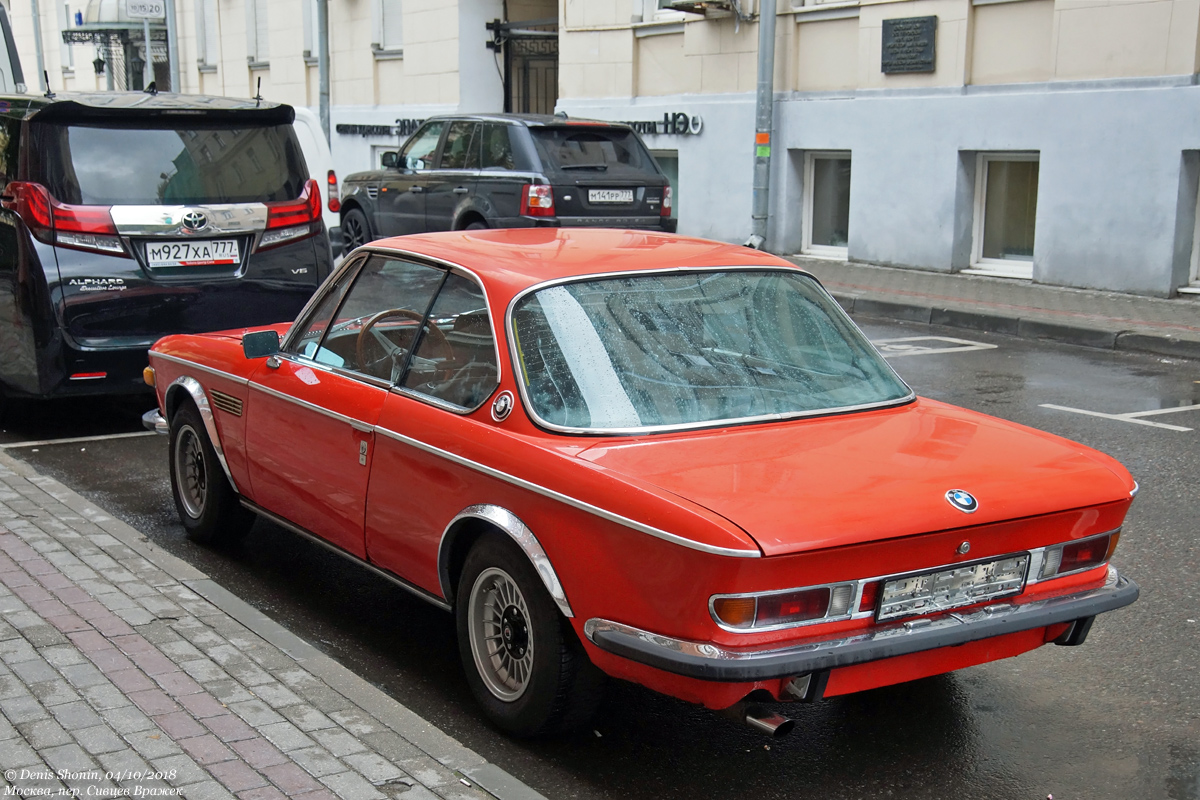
597	167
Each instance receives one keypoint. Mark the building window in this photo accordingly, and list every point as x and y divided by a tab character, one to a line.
66	52
1193	286
389	28
827	203
207	33
257	52
1005	214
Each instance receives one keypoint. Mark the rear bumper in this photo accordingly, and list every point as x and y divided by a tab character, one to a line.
666	224
714	663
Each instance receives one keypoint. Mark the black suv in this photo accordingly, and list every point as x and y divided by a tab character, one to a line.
128	216
508	171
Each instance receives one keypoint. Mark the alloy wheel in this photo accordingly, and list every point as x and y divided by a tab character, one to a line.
191	475
501	644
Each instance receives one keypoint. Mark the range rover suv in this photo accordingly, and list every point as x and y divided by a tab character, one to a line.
508	171
128	216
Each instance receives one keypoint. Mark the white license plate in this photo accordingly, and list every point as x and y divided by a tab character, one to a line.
200	253
930	592
610	195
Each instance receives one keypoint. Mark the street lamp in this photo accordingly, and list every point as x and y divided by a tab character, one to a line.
98	65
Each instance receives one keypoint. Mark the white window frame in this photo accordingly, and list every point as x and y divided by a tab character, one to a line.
257	52
66	51
807	246
1193	284
996	267
207	38
381	45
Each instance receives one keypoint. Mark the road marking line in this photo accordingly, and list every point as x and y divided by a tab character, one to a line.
1117	417
76	440
906	346
1162	411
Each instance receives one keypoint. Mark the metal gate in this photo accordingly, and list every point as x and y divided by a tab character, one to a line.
530	64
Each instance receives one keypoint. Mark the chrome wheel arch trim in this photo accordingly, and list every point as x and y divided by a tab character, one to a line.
657	533
186	383
519	532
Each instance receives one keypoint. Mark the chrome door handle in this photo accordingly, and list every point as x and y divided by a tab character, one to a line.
461	190
416	189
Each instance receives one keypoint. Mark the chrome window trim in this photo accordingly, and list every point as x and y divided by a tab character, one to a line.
1036	556
361	255
238	379
688	426
193	387
566	499
508	522
358	425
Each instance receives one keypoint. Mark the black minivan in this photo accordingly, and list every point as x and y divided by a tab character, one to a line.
128	216
509	171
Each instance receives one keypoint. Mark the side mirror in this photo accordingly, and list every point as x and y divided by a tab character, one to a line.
258	344
390	159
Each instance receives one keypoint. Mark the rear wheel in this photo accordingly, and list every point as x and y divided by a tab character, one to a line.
476	226
208	506
523	662
356	230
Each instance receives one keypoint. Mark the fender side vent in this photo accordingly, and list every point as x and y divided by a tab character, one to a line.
226	402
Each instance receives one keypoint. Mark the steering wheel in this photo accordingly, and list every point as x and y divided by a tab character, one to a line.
389	347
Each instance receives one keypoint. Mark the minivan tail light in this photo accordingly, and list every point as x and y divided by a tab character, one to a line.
665	209
304	210
77	226
537	200
335	198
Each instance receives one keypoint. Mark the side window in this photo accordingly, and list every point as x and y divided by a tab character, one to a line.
10	130
455	360
308	344
375	327
458	145
418	154
497	149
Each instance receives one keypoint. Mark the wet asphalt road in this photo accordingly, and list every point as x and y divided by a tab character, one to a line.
1116	718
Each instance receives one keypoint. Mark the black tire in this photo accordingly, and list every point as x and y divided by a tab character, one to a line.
476	226
356	230
208	506
558	688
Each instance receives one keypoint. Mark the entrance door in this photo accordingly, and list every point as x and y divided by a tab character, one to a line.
531	71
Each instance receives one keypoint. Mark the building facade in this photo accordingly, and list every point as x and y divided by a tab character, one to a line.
1048	140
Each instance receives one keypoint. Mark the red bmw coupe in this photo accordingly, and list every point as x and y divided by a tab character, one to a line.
668	460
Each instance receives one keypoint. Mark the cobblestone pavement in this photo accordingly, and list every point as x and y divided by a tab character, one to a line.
125	670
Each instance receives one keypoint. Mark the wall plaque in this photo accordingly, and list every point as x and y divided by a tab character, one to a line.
909	44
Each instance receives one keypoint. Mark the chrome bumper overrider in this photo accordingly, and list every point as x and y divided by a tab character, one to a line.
714	663
153	421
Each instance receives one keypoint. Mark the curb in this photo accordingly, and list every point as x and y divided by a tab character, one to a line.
1025	328
382	707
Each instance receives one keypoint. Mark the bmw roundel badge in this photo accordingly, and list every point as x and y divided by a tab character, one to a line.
962	500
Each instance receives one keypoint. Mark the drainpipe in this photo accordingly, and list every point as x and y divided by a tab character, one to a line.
763	113
323	64
37	41
172	47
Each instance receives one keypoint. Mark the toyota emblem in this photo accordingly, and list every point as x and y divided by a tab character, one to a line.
195	221
963	501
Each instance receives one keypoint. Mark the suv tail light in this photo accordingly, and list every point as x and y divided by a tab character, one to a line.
665	209
537	200
52	222
288	220
335	197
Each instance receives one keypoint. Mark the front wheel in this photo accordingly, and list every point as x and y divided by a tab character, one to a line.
356	230
523	662
208	506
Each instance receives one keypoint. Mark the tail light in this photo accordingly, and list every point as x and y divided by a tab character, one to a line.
537	200
335	197
774	609
1078	556
52	222
288	220
665	210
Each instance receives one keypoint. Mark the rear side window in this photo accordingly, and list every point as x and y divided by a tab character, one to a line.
593	149
143	165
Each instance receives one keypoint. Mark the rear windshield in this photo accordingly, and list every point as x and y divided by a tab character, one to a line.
141	165
601	150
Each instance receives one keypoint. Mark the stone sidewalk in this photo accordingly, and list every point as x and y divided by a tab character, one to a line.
125	670
1016	307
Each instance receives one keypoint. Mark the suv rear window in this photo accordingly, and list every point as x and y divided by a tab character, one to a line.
168	165
592	149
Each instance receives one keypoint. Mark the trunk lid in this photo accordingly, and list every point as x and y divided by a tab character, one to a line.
843	480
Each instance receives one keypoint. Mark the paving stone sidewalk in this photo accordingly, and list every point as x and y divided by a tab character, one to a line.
125	670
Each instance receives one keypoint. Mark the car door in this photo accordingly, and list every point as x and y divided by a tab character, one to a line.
414	493
313	407
454	179
402	192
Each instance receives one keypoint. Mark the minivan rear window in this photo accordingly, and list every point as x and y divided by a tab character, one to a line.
592	149
96	164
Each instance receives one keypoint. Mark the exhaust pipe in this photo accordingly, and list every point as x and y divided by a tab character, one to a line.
774	725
